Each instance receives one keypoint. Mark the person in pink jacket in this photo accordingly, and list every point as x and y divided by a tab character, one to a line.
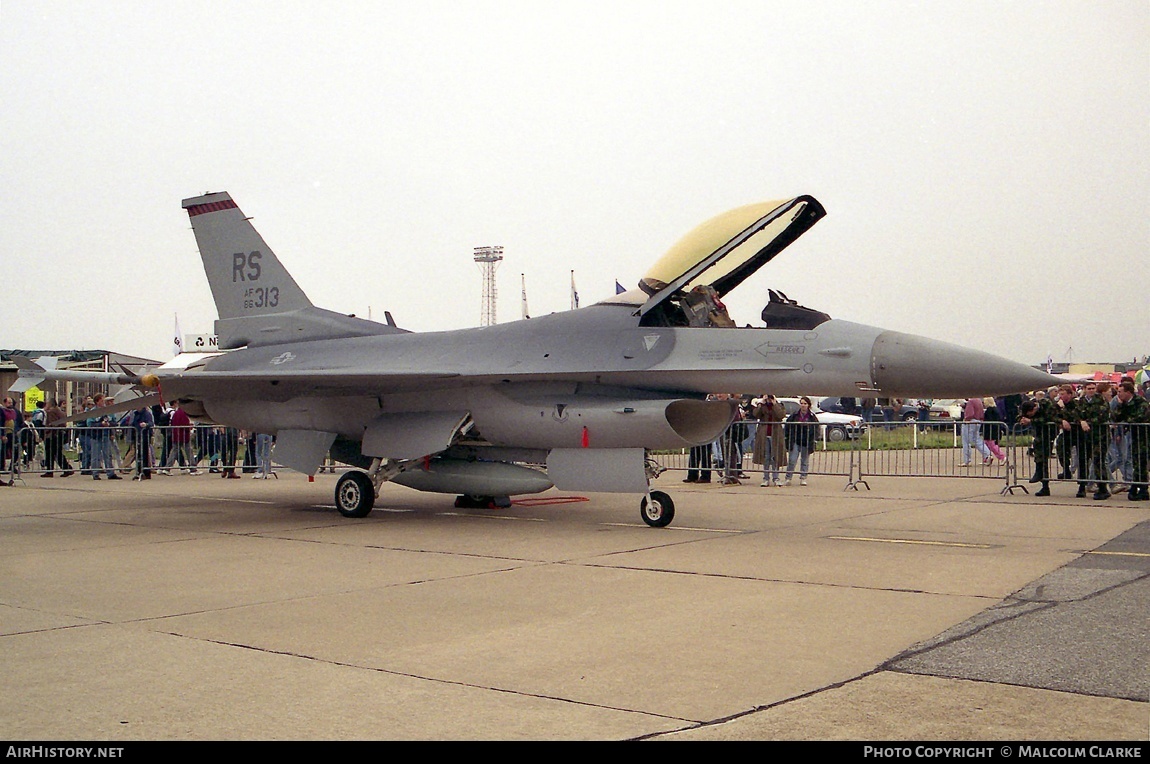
181	441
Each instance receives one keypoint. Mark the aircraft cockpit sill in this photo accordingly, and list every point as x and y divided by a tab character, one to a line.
701	308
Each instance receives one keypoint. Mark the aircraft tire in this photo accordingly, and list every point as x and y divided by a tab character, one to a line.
660	512
354	494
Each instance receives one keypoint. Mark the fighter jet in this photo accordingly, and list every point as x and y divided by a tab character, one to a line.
573	399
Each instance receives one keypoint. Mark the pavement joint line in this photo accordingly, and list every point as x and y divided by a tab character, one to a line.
222	499
457	683
1010	602
915	541
676	528
492	517
1019	597
272	536
161	526
1007	683
768	706
245	605
732	577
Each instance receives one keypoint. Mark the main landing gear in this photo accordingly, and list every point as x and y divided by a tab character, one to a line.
354	494
356	491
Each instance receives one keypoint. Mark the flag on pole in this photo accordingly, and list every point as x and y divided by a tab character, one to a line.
177	338
523	280
619	287
574	293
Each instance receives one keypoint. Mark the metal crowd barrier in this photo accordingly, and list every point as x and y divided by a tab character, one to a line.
918	449
935	449
731	455
909	449
120	449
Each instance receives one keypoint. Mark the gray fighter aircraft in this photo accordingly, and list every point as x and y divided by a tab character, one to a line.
584	393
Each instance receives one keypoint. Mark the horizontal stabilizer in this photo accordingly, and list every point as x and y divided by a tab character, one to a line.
300	325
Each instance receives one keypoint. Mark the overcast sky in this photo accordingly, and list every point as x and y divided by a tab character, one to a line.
985	165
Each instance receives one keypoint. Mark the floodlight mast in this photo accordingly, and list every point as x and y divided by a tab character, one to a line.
488	258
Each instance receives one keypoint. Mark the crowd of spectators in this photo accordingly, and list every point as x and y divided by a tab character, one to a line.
1099	435
160	439
779	442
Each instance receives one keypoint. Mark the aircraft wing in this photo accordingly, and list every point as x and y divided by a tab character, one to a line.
289	384
285	385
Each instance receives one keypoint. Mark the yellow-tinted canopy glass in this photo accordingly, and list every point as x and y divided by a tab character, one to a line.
728	248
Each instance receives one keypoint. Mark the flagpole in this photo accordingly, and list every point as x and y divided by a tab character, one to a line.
177	338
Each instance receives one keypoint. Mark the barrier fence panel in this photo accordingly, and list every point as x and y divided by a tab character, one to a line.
931	449
116	450
1118	456
985	450
730	458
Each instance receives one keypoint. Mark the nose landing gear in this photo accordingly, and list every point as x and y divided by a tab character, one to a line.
657	509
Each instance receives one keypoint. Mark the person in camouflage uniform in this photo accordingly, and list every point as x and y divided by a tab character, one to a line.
1063	440
1135	411
1094	421
1079	417
1066	403
1045	418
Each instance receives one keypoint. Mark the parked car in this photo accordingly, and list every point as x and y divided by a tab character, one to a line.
906	412
833	426
947	409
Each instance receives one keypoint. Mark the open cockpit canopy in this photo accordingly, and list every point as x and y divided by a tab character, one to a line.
685	285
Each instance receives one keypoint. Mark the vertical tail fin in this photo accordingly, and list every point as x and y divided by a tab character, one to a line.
246	277
258	301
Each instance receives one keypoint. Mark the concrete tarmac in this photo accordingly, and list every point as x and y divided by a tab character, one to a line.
924	609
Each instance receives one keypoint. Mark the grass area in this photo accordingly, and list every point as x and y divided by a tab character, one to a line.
899	438
904	438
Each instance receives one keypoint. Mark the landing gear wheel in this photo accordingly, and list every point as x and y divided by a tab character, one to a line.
354	494
659	512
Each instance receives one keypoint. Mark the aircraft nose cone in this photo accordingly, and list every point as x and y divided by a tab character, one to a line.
909	365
